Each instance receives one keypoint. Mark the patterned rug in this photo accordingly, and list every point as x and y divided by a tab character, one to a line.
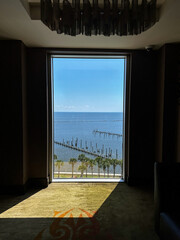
79	211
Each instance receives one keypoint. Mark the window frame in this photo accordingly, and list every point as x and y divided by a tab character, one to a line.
126	107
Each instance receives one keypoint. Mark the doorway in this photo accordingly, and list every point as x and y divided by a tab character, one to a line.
88	108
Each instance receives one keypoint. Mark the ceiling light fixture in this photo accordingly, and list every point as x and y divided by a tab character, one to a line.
114	17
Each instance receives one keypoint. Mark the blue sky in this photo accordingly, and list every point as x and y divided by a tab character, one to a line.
88	85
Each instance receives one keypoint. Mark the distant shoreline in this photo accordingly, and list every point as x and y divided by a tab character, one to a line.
88	173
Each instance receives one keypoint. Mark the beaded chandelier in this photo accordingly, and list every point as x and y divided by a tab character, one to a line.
112	17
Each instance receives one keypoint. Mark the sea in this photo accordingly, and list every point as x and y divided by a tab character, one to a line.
88	131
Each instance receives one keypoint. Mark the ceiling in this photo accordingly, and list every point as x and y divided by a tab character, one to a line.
15	23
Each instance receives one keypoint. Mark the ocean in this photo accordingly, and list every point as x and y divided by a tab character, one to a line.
78	129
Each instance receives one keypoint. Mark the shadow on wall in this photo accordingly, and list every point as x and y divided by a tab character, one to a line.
126	214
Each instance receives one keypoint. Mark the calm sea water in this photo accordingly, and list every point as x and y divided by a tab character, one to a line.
77	128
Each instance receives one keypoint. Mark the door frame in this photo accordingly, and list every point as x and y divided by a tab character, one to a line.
126	108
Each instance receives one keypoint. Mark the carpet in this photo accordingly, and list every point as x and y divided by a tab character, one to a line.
79	211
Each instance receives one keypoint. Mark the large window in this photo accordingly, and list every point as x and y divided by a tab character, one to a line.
88	117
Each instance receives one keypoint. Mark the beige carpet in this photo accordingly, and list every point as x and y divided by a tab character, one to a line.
79	211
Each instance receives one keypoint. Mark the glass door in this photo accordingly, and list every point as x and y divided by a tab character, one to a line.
88	112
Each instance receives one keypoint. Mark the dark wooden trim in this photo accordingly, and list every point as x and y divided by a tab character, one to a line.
103	51
127	115
49	115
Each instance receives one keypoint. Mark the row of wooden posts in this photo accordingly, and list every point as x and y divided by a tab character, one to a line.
95	151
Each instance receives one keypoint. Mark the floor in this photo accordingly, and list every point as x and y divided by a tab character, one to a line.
79	211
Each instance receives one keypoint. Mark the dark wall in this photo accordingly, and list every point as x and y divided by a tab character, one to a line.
171	94
159	108
37	114
23	148
24	111
12	75
169	75
142	117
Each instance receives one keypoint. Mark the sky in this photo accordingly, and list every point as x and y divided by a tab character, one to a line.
88	85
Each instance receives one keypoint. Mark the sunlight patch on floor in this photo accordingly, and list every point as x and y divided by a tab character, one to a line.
63	200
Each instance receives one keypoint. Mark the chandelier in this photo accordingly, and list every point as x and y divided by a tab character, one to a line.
112	17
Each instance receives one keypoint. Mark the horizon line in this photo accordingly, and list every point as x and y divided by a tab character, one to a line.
86	112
